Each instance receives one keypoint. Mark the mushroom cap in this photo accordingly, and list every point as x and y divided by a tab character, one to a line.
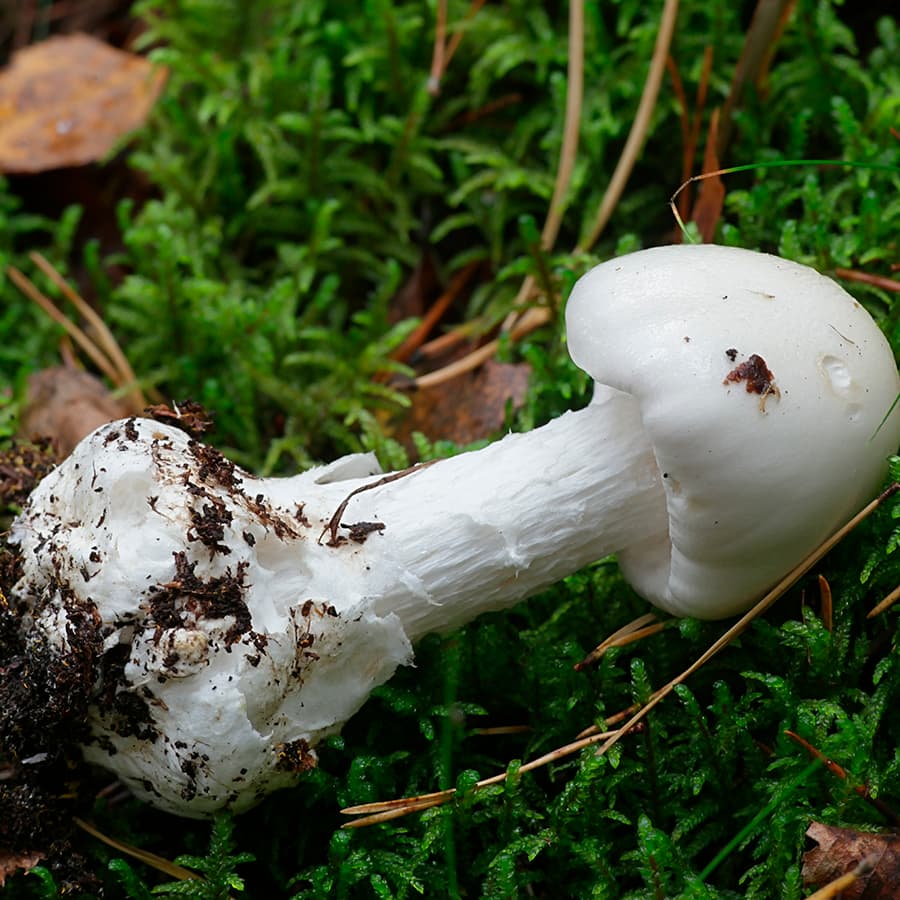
766	392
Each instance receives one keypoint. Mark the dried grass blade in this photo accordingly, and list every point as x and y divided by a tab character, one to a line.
105	340
879	281
769	19
532	318
612	640
436	313
385	810
151	859
23	283
887	603
835	889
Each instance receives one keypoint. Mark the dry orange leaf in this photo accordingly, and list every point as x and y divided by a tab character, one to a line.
708	208
69	100
10	863
841	850
65	405
466	408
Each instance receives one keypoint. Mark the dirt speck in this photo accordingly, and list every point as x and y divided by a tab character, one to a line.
213	466
359	532
757	378
189	416
187	598
208	525
295	756
131	432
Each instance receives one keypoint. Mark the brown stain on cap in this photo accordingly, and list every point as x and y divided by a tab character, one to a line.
756	375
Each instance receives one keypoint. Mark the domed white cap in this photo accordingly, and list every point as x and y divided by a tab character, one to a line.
765	391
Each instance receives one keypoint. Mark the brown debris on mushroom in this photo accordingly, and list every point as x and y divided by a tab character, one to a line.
756	375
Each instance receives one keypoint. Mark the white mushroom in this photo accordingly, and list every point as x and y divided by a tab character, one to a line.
741	413
763	388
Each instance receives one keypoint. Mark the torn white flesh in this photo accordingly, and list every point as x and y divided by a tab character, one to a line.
236	633
483	530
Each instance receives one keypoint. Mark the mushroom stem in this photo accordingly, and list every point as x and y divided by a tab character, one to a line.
482	530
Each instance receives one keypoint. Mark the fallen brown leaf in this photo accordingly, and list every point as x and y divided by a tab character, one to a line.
468	407
690	123
65	405
841	850
69	100
708	207
10	863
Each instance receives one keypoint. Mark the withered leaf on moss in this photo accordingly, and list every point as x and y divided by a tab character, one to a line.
841	850
68	100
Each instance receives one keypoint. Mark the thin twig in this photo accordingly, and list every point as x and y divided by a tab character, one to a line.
707	208
766	27
609	721
690	125
840	772
457	36
531	318
684	120
447	342
444	49
835	889
381	811
566	165
702	90
87	345
826	603
626	631
151	859
492	731
886	284
534	317
887	603
568	151
435	313
685	185
335	521
104	340
473	115
440	47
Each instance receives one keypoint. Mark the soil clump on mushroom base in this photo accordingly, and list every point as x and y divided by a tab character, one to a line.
45	693
43	705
